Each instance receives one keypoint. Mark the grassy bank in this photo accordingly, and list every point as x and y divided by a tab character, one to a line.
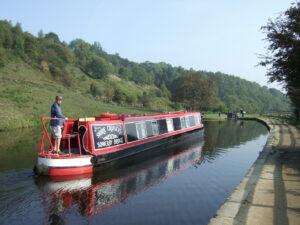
288	118
27	95
213	116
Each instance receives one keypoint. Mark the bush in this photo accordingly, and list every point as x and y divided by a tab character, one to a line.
145	100
2	57
66	78
95	91
118	96
130	100
109	94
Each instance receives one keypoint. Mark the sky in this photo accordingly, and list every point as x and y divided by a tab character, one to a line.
210	35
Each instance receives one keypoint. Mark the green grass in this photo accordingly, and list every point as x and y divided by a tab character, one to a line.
284	118
27	95
251	115
213	116
223	116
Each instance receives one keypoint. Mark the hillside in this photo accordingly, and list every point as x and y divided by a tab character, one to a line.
237	93
33	70
27	95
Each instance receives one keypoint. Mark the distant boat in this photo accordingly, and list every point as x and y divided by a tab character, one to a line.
88	142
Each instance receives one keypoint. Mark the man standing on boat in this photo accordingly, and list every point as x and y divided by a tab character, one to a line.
56	125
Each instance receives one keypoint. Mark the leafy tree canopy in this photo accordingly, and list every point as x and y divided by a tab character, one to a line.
195	91
283	52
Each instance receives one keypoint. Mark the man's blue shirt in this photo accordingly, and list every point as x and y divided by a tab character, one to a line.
56	112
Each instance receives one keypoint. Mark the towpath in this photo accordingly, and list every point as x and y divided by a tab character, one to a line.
270	192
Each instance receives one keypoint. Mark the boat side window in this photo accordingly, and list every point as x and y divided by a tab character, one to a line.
162	126
155	128
182	122
176	123
131	132
141	130
192	121
187	122
170	125
197	119
149	129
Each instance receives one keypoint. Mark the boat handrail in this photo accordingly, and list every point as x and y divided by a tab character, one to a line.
42	150
46	132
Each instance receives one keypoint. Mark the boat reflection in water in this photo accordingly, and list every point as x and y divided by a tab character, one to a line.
119	180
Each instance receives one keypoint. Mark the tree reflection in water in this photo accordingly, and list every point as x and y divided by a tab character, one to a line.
221	135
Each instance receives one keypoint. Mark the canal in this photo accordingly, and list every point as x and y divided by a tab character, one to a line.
183	184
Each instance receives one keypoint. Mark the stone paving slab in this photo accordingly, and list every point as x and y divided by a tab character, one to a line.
270	192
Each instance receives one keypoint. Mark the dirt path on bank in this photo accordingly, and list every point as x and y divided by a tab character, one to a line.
270	192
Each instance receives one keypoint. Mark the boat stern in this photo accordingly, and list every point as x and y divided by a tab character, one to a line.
63	166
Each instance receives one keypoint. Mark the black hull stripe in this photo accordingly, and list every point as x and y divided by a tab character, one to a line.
125	152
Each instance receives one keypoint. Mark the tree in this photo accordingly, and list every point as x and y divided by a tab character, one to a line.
7	34
195	91
98	50
97	67
41	34
82	52
139	74
51	36
125	73
220	107
165	91
118	96
283	52
18	40
30	46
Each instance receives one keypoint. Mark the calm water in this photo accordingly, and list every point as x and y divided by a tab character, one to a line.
183	184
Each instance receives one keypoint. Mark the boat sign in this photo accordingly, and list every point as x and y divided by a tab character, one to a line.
107	135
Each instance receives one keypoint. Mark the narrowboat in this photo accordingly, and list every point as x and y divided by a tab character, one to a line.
90	142
94	195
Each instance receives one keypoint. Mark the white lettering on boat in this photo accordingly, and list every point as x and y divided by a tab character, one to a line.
114	128
118	141
102	144
108	135
101	132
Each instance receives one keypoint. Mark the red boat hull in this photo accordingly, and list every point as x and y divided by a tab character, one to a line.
70	171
